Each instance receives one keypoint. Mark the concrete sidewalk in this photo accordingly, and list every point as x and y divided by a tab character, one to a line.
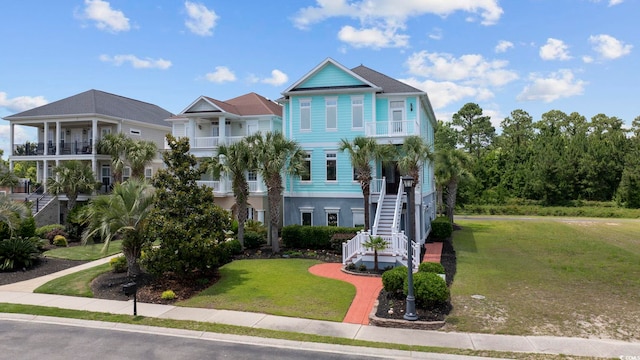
21	293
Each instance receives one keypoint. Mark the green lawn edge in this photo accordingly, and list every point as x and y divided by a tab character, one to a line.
75	284
84	252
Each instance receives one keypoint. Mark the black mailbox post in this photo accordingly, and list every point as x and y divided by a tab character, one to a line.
131	288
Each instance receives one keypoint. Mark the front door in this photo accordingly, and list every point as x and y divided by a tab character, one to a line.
392	176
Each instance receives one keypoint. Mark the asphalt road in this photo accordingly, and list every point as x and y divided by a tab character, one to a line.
32	340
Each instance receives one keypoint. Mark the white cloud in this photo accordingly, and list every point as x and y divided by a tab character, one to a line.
503	46
615	2
436	34
277	78
21	103
105	17
136	62
554	49
201	20
609	47
375	38
443	93
472	69
221	75
557	85
587	59
381	20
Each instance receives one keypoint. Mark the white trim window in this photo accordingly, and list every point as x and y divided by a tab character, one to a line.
307	165
331	108
148	173
396	108
357	112
358	217
250	213
305	114
332	166
332	216
126	173
306	216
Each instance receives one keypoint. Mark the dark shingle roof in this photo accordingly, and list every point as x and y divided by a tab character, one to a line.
388	84
100	103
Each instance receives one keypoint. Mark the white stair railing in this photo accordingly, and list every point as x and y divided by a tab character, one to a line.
376	221
398	209
354	246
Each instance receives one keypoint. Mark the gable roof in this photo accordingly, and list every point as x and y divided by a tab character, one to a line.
96	102
362	82
250	104
386	83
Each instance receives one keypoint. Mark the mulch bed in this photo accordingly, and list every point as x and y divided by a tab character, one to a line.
45	266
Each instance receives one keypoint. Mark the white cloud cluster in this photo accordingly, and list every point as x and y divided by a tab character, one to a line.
609	47
381	21
611	2
136	62
554	49
277	78
503	46
105	17
556	85
201	20
21	103
222	75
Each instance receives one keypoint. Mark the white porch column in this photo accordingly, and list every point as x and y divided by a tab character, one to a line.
191	132
222	128
12	128
45	174
261	216
94	140
57	137
46	138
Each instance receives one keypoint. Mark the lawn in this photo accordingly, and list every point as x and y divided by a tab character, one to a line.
548	277
278	287
76	284
85	252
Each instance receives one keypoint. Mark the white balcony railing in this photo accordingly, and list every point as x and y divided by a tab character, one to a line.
392	128
214	141
215	185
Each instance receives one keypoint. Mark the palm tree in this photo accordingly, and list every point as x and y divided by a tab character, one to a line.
139	154
72	177
116	146
235	160
12	213
413	153
362	151
376	243
121	214
7	177
275	153
451	167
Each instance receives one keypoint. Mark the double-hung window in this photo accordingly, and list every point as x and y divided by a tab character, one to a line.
332	164
306	176
305	114
357	112
331	105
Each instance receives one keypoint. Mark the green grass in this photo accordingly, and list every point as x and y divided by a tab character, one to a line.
554	277
76	284
85	252
257	332
589	209
278	287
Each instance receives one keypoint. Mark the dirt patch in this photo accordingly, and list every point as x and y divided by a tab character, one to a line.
45	266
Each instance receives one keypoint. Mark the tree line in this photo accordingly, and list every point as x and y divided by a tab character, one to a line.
555	160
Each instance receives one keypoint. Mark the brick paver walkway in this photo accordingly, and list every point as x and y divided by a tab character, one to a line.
367	287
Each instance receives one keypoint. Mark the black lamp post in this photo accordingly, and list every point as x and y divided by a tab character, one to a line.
410	313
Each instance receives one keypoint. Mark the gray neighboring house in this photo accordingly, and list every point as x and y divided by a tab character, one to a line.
70	129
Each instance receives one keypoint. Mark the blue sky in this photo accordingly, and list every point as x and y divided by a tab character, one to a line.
535	55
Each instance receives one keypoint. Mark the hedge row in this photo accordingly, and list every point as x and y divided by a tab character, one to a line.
315	237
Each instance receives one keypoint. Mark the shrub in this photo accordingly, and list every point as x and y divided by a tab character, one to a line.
42	231
314	237
351	266
441	228
27	228
431	267
51	235
253	240
119	264
76	223
362	267
168	295
429	289
393	280
255	226
60	240
17	252
233	247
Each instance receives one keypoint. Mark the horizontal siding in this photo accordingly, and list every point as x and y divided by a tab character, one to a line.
319	183
330	75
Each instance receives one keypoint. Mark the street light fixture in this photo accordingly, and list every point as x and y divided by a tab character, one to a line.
410	313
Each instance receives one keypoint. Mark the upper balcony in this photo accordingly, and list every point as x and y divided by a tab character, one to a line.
60	148
210	142
392	129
